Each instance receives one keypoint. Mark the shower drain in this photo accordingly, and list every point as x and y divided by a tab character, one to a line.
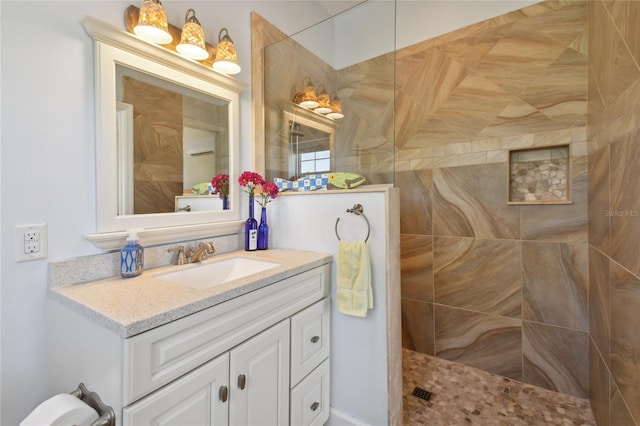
421	393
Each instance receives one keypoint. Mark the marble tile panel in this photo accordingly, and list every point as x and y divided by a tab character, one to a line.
519	117
457	148
625	339
561	223
555	284
423	81
598	386
446	161
599	311
416	189
598	199
479	275
485	145
416	266
497	156
470	201
581	42
418	326
624	218
518	141
619	414
560	92
563	24
556	358
518	58
489	342
425	163
632	23
612	63
472	158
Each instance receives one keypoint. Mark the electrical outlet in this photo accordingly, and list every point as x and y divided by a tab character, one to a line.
31	242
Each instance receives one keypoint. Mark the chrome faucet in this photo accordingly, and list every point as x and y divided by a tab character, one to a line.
204	250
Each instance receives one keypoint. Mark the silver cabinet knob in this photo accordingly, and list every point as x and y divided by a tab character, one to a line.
315	339
315	406
242	381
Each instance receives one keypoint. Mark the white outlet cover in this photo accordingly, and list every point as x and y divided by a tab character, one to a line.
20	239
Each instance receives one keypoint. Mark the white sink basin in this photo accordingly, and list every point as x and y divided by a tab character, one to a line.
206	275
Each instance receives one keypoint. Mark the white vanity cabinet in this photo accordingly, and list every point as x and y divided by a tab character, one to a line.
260	358
247	385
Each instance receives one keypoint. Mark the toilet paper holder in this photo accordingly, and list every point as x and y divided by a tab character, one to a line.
106	413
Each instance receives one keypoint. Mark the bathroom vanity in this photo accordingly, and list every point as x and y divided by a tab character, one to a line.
248	350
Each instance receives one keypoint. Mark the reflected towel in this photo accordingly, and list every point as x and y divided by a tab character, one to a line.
354	294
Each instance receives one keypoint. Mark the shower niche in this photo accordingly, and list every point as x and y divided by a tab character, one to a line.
540	175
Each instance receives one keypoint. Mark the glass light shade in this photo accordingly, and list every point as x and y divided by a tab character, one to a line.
324	106
226	60
192	43
336	108
152	23
309	97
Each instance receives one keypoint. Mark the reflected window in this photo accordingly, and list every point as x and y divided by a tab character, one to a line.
315	162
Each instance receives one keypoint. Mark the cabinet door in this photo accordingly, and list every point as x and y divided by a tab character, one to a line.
197	399
259	376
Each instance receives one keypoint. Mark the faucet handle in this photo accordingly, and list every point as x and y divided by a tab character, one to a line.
182	257
209	247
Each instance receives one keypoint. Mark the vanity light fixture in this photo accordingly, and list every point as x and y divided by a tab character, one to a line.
192	43
226	60
324	106
309	98
152	24
336	108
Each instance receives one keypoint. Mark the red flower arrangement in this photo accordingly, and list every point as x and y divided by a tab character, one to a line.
220	185
269	192
251	180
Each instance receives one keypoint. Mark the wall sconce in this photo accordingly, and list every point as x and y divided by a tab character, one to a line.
226	60
152	23
309	98
336	108
323	101
192	44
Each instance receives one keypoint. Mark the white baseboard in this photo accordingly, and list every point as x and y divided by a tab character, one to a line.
340	418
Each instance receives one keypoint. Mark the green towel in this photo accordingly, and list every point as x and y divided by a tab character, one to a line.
354	295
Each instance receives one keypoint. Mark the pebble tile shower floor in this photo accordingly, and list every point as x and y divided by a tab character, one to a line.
464	395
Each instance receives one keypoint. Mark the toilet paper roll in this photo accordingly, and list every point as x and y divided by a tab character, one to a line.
61	410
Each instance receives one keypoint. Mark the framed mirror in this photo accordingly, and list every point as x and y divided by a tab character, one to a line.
165	126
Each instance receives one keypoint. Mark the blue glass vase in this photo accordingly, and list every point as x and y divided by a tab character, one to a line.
251	229
263	231
225	202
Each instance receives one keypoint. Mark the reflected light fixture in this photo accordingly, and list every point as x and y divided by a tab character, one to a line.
323	101
309	98
226	60
336	108
152	24
192	44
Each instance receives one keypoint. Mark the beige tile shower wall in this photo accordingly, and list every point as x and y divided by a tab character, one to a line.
614	211
286	65
498	287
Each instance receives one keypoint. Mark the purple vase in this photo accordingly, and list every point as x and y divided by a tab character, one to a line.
251	229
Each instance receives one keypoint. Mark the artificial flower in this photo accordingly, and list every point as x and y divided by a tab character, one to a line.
250	180
269	193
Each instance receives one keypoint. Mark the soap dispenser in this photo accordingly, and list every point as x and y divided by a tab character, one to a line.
131	257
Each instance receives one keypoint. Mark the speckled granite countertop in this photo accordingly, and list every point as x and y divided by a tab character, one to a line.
135	305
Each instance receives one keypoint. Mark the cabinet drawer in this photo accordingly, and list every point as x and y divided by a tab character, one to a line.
310	398
157	357
310	342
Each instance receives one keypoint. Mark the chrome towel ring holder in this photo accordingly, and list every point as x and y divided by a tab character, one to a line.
358	210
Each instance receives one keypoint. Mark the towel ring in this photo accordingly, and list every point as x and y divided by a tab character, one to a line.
359	211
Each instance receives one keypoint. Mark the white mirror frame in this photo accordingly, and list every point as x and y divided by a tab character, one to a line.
113	46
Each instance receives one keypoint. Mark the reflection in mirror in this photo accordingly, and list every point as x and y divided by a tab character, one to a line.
179	140
170	160
352	55
310	146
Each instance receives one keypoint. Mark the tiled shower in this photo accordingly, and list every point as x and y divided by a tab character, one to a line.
543	293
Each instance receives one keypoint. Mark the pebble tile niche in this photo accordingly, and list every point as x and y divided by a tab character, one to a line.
540	176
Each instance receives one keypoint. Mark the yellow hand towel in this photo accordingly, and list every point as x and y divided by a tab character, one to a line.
354	294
